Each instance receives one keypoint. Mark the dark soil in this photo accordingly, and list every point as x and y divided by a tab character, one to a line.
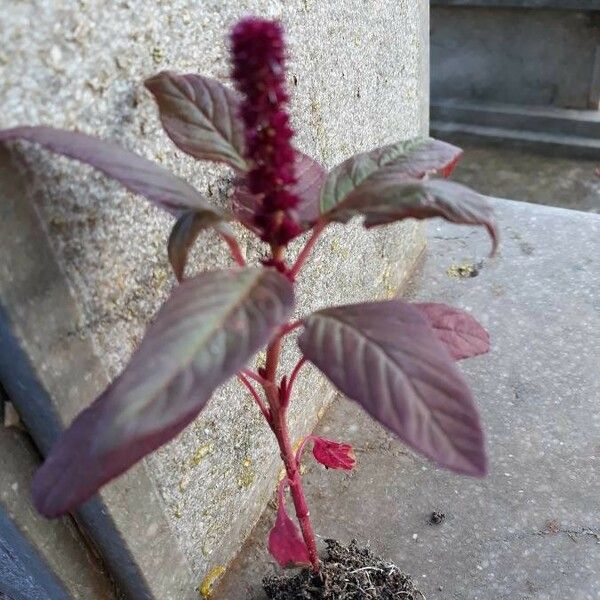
347	573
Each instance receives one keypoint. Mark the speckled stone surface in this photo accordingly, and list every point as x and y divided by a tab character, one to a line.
531	529
359	75
59	548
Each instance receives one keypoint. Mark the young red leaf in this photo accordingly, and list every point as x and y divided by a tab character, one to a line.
387	197
334	455
137	174
408	159
184	234
206	331
310	177
200	115
385	356
462	335
285	541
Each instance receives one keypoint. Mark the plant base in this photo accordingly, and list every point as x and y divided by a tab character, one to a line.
347	573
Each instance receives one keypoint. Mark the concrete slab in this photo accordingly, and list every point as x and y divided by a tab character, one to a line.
40	559
512	173
84	264
531	530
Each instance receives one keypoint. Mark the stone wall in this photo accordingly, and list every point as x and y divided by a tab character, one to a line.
84	263
516	54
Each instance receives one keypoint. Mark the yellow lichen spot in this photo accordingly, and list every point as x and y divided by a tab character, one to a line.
183	485
177	512
157	54
200	453
297	444
337	248
261	359
462	271
247	476
321	412
206	587
389	289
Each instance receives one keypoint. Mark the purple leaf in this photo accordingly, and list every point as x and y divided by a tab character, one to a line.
200	115
387	197
333	455
385	356
137	174
408	159
285	540
311	176
184	234
462	335
206	331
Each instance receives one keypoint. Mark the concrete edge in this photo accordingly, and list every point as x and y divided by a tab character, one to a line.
31	390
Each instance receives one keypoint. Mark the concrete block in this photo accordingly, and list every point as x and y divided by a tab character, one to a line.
530	529
539	57
87	266
40	559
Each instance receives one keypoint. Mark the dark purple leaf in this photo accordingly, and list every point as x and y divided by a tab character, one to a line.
408	159
206	331
387	197
462	335
137	174
285	540
386	357
200	115
311	176
184	234
333	455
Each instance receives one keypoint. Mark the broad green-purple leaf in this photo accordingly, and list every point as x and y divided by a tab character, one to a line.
185	231
310	178
386	357
137	174
206	331
387	197
410	159
462	335
200	115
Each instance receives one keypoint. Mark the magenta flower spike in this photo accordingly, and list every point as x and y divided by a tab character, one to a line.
258	50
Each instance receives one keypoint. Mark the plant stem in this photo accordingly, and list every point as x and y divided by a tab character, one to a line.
277	400
234	248
305	253
290	383
263	409
295	480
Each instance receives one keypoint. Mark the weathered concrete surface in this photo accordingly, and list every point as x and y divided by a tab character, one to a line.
531	529
75	306
39	559
510	173
531	57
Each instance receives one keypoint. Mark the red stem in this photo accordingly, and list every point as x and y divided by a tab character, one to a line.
290	327
305	253
263	409
300	450
290	383
252	375
277	400
234	248
295	481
